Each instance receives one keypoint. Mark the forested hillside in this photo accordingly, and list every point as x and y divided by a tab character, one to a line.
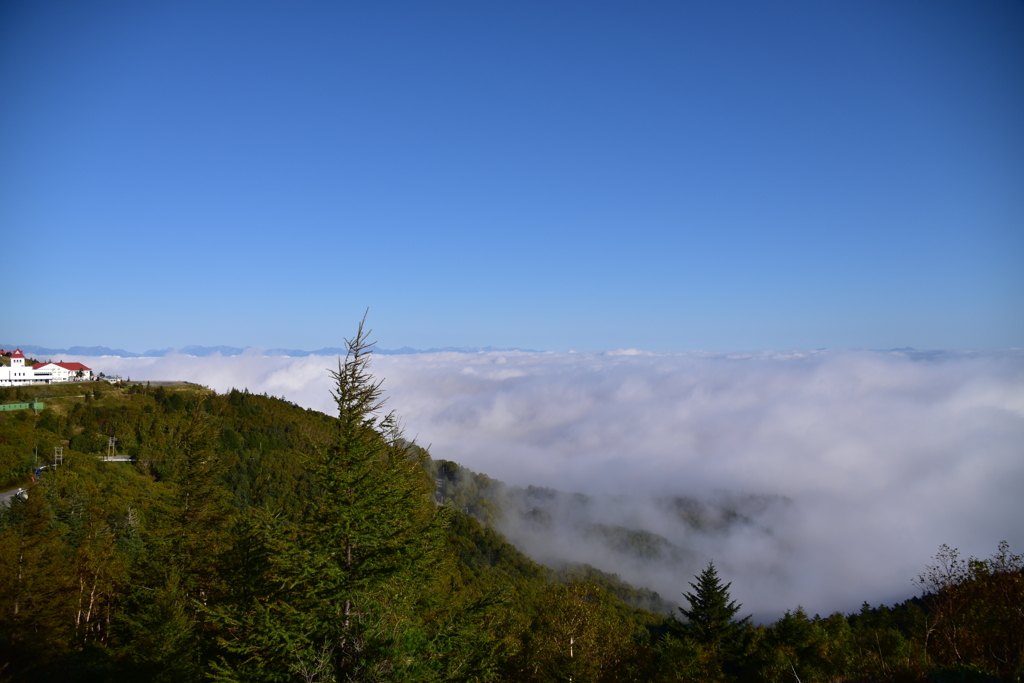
564	530
252	540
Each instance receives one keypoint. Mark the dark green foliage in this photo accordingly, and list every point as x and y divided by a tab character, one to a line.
17	444
472	493
962	673
717	642
358	585
577	635
480	548
710	617
975	613
35	593
644	599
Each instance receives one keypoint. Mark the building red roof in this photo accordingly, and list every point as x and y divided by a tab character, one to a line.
17	354
67	366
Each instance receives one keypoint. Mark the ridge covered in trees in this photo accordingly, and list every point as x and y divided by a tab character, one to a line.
254	540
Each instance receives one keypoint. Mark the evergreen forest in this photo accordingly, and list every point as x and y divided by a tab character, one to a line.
250	539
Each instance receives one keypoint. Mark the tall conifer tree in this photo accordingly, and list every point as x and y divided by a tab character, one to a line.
334	597
711	619
374	532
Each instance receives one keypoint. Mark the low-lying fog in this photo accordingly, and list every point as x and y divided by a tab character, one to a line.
850	468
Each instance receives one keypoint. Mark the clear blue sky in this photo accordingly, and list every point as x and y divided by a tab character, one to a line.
668	176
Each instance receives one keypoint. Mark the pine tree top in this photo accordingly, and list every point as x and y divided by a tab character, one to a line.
712	610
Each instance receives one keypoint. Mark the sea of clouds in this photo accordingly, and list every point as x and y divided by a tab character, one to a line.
874	458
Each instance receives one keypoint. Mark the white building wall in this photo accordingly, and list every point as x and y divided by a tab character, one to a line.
62	374
17	375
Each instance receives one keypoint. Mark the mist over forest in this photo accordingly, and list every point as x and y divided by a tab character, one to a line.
838	473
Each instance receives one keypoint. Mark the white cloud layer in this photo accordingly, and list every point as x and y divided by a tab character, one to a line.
883	455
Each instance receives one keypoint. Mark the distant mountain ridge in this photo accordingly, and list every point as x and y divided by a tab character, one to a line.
204	351
73	351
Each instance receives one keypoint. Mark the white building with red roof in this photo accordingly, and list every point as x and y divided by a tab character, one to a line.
41	373
65	372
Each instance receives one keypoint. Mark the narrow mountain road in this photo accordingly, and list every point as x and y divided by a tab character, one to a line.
5	497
